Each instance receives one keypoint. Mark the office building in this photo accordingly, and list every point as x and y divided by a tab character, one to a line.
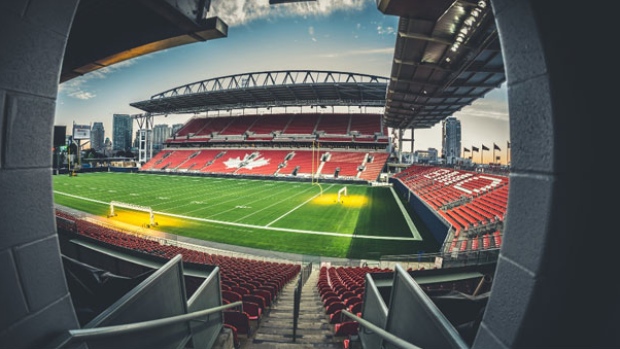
97	137
451	139
122	132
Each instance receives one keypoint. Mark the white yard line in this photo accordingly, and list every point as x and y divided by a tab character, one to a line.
298	206
297	231
274	204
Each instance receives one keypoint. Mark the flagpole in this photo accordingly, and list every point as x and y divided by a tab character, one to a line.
481	154
507	150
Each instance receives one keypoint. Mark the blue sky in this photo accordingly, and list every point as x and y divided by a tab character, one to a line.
341	35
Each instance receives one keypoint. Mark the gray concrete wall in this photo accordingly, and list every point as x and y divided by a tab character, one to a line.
545	291
34	301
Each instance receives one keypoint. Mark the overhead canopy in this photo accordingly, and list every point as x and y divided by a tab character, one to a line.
270	89
447	55
105	32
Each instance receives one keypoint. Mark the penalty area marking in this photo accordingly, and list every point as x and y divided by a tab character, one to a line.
260	227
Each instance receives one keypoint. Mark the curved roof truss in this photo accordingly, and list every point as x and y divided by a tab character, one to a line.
270	89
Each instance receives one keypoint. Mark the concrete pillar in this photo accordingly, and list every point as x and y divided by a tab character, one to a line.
35	305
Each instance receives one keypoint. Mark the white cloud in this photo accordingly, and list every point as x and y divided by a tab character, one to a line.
240	12
84	95
363	52
78	87
385	31
495	109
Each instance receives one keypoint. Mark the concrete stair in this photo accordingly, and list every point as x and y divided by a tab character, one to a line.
275	330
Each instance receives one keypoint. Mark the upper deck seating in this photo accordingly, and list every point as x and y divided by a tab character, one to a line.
366	124
302	124
334	124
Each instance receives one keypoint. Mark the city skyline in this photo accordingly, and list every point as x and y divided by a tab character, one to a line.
347	35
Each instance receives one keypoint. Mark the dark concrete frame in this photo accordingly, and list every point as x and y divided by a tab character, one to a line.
544	292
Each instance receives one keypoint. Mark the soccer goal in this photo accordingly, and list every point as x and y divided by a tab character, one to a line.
132	207
316	162
342	193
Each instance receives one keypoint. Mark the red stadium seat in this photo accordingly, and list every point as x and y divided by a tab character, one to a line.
336	317
231	296
265	294
352	300
347	328
356	308
236	341
333	307
254	298
331	300
240	320
254	311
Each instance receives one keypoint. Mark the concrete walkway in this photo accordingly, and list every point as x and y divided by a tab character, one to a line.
275	330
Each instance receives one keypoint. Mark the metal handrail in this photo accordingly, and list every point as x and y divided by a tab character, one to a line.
400	343
107	331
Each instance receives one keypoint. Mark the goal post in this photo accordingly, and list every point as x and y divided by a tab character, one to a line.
132	207
316	162
341	193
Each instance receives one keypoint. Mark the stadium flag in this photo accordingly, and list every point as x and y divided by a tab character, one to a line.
465	150
484	147
495	147
474	148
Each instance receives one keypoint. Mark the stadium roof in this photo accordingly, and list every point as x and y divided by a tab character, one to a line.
99	32
447	55
270	89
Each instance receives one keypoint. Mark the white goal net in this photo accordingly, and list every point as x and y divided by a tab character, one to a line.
342	193
132	207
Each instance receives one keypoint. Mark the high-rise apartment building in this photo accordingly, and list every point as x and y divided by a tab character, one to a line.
160	134
122	125
451	139
107	147
97	137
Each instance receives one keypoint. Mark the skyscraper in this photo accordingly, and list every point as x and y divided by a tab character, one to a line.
97	136
160	134
451	139
122	126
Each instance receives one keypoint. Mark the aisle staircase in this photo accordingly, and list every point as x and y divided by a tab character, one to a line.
275	330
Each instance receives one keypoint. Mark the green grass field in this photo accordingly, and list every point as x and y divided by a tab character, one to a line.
295	217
